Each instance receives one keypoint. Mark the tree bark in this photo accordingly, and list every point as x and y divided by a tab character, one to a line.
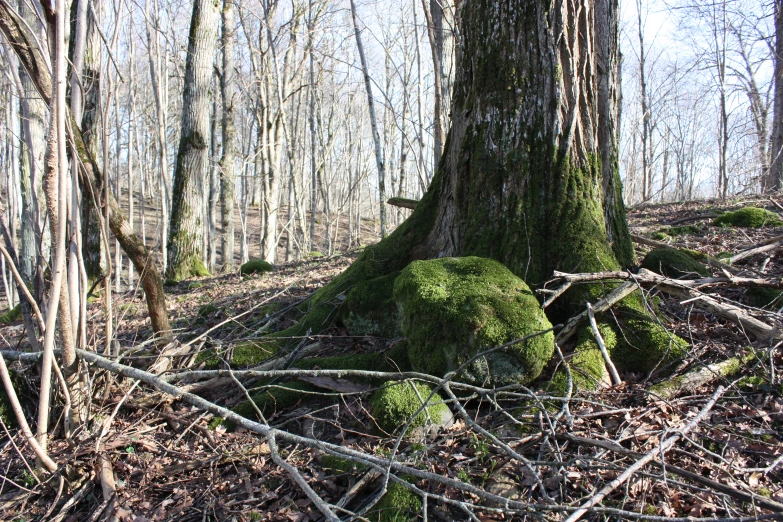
227	176
185	245
775	180
379	160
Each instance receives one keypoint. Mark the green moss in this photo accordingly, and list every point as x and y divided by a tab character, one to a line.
394	404
6	412
340	465
207	309
392	254
764	297
274	398
255	266
195	285
242	355
14	314
369	308
661	236
635	341
749	217
454	308
315	253
683	230
399	504
673	262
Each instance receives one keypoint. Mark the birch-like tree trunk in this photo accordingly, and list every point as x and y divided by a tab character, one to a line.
379	160
185	245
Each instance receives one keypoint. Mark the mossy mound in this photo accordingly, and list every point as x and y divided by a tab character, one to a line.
315	253
683	230
635	341
453	308
748	217
764	297
207	309
340	465
242	355
673	262
255	266
369	308
14	314
394	404
399	504
661	236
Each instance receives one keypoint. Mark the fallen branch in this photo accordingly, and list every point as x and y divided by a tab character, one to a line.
665	446
688	290
602	346
402	202
742	496
689	382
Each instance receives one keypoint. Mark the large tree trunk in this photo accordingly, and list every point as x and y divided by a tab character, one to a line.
529	174
185	245
530	169
775	176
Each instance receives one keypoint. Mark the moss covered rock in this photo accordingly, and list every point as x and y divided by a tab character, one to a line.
661	236
395	403
673	262
6	411
749	217
11	315
255	266
764	297
453	308
636	343
399	504
369	308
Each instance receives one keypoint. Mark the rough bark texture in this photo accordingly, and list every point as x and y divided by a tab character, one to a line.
776	141
227	176
185	245
529	173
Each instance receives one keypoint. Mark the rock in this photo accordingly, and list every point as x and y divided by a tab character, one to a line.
369	308
749	217
452	309
675	263
395	403
255	266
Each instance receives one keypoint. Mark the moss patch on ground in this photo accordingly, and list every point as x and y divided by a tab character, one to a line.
748	217
635	340
453	308
274	398
255	266
399	504
244	354
6	412
14	314
395	403
673	262
369	308
764	297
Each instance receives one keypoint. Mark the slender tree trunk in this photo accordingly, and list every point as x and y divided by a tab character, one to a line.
379	160
227	177
185	245
434	17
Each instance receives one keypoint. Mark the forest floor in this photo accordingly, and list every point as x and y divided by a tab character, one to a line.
172	462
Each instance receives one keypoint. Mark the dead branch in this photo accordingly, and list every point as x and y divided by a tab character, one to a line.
402	202
687	290
689	382
665	446
742	496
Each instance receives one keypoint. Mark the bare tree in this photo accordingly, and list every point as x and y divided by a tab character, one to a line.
185	245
